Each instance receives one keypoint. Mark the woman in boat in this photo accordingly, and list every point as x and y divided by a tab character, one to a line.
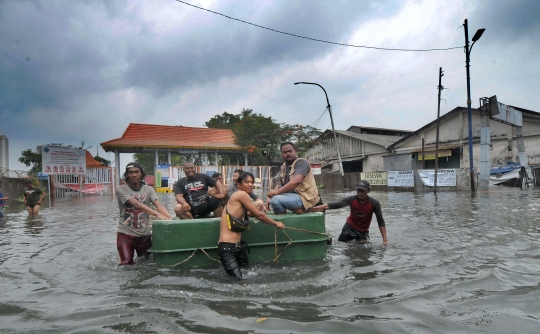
231	250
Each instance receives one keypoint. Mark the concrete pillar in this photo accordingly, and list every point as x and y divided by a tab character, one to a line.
156	160
523	161
117	166
485	152
246	159
217	159
169	157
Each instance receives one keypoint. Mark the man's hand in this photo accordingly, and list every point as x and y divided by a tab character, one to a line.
218	196
280	225
272	193
259	204
186	207
267	207
163	217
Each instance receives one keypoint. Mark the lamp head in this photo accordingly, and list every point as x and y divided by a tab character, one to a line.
478	34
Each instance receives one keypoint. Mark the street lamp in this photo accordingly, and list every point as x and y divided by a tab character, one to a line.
476	37
333	130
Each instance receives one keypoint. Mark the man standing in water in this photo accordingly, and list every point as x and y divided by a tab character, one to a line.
2	201
362	209
231	250
134	230
32	197
296	189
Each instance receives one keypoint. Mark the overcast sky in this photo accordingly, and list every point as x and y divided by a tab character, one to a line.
83	70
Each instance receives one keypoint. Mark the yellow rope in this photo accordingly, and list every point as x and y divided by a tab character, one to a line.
275	244
192	254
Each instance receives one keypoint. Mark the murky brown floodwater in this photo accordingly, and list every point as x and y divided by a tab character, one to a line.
455	263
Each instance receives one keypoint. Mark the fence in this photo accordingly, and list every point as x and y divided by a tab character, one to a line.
96	181
17	174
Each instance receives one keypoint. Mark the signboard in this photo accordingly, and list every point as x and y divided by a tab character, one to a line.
375	178
63	160
316	169
445	177
401	178
430	155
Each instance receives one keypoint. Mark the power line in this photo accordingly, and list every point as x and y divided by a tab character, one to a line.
314	39
314	124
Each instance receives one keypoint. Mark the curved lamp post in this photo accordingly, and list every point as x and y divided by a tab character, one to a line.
333	130
468	49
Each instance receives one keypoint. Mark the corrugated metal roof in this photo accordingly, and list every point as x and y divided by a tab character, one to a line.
381	140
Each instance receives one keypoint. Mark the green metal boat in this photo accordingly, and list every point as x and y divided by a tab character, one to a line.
188	243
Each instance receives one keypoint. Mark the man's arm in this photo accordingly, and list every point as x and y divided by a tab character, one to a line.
41	197
383	233
161	209
219	188
182	201
296	179
380	220
336	205
146	209
251	208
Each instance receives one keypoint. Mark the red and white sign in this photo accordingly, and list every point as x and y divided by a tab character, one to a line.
63	160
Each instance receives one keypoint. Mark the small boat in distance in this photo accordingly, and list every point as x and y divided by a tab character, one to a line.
511	175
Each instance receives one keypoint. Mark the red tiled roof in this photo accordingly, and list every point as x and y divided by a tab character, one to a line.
91	162
166	136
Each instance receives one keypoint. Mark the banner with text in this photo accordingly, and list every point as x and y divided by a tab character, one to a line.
375	178
63	160
445	177
401	178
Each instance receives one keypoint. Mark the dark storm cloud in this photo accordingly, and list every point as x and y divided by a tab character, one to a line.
50	55
208	47
506	20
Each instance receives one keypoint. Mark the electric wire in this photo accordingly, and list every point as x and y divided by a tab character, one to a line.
314	124
318	40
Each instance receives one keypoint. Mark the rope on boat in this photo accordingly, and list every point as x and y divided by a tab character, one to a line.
192	254
276	255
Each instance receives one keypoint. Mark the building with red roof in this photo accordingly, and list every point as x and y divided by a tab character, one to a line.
151	138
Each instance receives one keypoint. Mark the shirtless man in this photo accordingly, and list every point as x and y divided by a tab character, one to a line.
230	247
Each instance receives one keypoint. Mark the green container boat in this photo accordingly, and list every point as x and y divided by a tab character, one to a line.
181	242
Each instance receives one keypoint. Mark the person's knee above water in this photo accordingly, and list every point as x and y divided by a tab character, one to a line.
191	194
296	189
234	220
362	209
33	196
134	230
232	188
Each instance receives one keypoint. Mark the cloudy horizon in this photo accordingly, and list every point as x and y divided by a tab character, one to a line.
82	71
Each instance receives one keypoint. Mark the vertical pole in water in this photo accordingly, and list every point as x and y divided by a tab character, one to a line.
437	135
49	188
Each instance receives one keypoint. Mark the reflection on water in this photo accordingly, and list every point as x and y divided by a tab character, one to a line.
456	262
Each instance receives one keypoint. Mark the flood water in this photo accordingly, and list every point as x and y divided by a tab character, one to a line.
455	262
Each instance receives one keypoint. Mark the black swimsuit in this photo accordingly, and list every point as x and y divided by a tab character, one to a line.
236	224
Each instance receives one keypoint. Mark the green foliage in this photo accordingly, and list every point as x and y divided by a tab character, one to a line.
31	158
104	161
263	134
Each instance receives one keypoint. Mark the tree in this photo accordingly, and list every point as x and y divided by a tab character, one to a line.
264	134
254	131
147	160
104	161
31	158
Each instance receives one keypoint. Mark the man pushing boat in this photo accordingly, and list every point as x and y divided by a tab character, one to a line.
234	220
134	230
362	209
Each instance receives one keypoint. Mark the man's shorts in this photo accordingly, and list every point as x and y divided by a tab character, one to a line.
127	245
1	211
211	205
232	256
348	234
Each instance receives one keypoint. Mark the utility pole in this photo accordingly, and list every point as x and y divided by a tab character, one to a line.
439	88
476	37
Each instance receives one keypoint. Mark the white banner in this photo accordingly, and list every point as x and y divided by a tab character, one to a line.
445	177
63	160
401	178
375	178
